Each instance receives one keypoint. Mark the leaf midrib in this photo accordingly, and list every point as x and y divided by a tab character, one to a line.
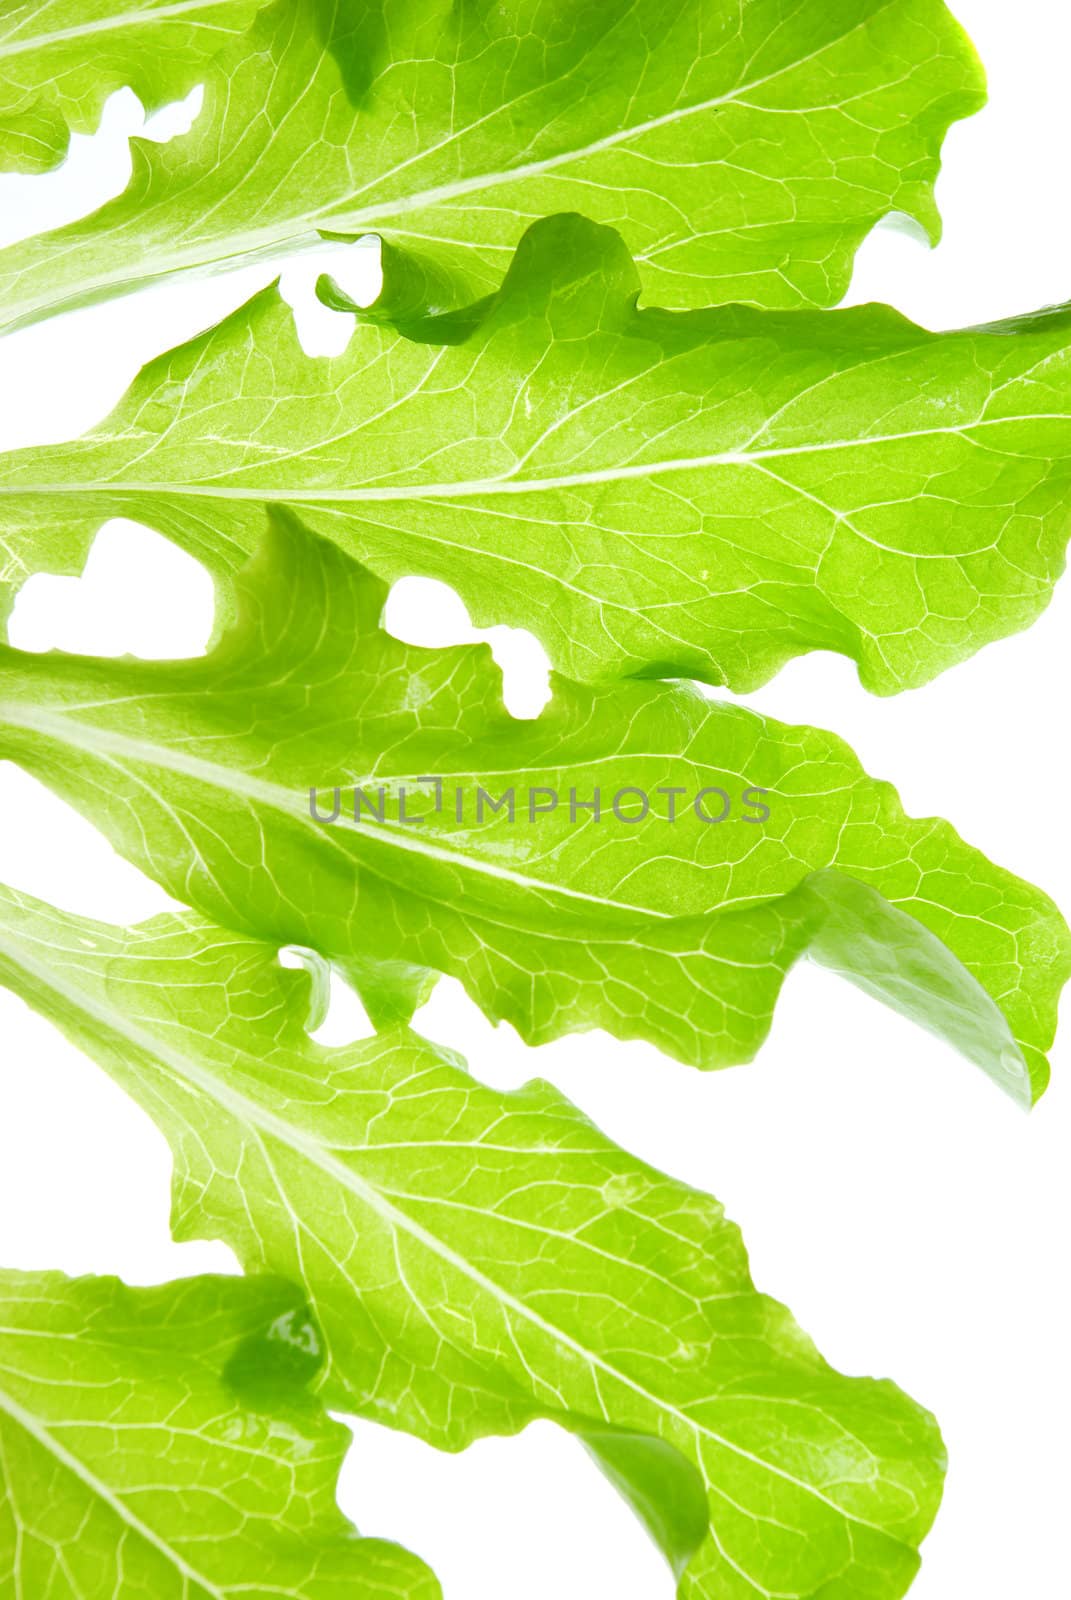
505	483
112	24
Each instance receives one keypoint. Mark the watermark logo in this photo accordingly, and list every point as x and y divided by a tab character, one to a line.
414	801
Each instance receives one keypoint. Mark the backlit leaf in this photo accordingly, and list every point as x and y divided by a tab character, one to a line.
158	1443
725	845
744	147
61	59
702	495
478	1259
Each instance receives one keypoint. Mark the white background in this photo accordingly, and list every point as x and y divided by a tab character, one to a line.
915	1221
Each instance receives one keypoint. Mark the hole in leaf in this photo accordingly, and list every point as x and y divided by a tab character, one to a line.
356	266
427	612
337	1015
95	169
139	595
346	1019
171	121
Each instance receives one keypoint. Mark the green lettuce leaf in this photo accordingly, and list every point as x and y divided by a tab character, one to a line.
745	147
61	59
478	1259
704	494
158	1442
667	917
